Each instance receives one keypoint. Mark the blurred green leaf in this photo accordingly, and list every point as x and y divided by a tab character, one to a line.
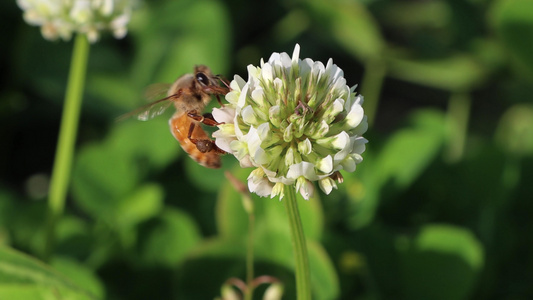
204	178
409	151
323	275
26	224
145	142
515	130
24	277
442	262
143	203
101	176
405	155
413	15
513	20
362	188
114	89
168	238
455	73
80	275
352	25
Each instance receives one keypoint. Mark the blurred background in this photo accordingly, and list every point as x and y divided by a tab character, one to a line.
439	209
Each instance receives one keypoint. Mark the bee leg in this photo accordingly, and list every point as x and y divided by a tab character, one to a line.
223	80
219	102
206	118
203	145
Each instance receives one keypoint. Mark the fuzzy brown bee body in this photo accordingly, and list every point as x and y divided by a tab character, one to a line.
190	94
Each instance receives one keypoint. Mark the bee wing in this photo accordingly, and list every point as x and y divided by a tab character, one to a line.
156	93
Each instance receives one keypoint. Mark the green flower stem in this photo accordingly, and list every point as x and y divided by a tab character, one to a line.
375	71
67	138
303	279
249	206
458	118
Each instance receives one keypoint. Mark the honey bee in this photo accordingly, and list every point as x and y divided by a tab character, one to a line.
190	94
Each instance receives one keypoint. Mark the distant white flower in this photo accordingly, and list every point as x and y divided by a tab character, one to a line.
296	121
62	18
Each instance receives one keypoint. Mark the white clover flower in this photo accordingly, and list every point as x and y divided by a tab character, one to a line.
62	18
296	121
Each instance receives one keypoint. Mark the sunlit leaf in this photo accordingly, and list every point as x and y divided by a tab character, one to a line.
80	275
24	277
409	151
96	185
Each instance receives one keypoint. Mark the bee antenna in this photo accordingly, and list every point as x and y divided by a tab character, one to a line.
224	80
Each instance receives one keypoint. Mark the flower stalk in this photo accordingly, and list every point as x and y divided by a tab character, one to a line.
67	138
299	246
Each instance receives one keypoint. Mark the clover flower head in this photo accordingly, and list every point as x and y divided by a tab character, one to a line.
294	120
62	18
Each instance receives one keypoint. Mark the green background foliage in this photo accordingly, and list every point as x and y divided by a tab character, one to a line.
439	209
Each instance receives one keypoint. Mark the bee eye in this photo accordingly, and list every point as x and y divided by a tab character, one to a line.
202	79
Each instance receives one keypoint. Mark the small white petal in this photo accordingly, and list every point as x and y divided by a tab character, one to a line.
253	72
327	185
305	147
263	131
289	157
288	133
296	54
278	84
325	165
348	164
262	187
239	149
273	58
233	97
224	115
253	140
286	61
305	169
266	71
242	96
274	115
248	115
318	69
256	175
237	83
306	188
257	96
341	140
223	143
278	189
355	115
